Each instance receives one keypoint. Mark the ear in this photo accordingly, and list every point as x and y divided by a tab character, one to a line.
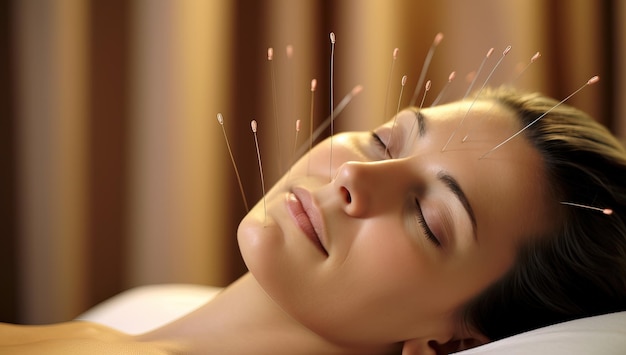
421	347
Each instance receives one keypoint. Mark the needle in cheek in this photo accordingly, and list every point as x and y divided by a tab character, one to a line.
253	125
270	59
313	87
293	153
332	107
220	119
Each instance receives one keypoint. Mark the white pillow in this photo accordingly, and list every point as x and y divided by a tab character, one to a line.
605	334
145	308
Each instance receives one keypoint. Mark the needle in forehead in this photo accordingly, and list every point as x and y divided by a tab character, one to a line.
419	120
429	57
480	68
504	53
591	81
533	59
443	91
395	117
394	56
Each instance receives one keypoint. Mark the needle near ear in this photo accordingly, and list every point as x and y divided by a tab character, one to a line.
606	211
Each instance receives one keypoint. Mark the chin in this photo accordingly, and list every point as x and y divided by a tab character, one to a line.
259	242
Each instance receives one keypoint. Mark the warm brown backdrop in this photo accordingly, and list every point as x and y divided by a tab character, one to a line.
114	171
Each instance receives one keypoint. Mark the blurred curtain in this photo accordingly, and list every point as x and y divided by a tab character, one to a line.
114	168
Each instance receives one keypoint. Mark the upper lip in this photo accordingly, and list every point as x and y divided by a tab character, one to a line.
314	214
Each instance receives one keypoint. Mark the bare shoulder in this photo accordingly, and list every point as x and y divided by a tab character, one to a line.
77	338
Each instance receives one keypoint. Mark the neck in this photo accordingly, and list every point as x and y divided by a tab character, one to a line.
242	319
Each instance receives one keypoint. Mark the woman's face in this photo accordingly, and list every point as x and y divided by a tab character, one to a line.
381	249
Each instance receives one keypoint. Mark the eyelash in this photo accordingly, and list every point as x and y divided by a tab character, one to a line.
420	216
379	142
422	222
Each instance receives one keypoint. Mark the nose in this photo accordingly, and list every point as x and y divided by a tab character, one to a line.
366	187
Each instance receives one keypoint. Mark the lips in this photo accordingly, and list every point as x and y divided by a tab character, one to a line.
306	216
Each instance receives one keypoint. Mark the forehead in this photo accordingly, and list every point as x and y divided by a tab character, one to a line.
507	188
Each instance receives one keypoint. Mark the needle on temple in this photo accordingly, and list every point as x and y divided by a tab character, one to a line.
429	57
591	81
504	53
395	117
313	87
442	92
606	211
220	119
394	56
332	107
253	125
270	59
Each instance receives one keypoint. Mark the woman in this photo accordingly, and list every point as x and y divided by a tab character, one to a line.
413	240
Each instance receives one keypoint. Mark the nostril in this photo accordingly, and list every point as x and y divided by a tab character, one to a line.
346	195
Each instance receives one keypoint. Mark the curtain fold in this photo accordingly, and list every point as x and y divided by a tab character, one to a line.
51	159
118	169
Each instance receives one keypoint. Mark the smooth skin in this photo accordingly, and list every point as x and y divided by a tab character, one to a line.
342	261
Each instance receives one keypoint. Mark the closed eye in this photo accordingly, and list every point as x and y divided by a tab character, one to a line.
424	226
381	145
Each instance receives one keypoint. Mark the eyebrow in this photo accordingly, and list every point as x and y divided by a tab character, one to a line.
454	186
448	179
421	122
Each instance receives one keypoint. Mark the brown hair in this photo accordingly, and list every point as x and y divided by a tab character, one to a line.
579	269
